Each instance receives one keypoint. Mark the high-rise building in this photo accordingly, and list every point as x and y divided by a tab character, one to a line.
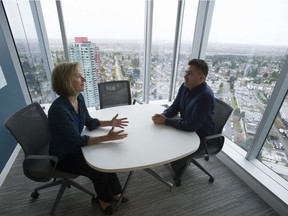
87	54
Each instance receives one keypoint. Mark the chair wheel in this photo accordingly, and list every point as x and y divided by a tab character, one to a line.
206	158
69	186
211	180
35	195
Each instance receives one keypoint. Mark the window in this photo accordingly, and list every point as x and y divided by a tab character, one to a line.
273	153
23	29
189	20
163	32
114	35
245	53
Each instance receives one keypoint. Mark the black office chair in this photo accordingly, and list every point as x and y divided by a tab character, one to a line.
115	93
213	144
29	126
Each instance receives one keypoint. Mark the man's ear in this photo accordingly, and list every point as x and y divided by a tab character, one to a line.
202	76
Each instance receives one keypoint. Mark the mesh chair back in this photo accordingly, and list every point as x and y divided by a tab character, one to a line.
222	113
114	93
214	145
29	126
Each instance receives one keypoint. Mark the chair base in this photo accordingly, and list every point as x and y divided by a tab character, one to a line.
64	183
211	180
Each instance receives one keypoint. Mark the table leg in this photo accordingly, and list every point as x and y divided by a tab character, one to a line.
167	183
124	188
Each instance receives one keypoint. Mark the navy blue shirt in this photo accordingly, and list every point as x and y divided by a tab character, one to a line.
196	108
66	125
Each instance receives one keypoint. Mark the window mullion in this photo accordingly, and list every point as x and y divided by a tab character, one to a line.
42	39
202	28
177	43
62	29
147	47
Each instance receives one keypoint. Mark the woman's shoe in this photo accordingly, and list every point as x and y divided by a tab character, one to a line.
124	200
108	210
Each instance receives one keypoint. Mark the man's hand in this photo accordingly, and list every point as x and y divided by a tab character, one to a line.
158	119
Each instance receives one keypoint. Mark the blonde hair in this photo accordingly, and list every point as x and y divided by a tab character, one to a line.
62	78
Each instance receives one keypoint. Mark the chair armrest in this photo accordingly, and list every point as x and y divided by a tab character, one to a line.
214	147
136	101
214	136
40	167
42	157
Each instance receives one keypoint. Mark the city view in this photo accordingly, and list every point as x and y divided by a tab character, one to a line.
242	76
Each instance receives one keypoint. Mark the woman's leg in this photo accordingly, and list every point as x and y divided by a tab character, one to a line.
114	183
104	183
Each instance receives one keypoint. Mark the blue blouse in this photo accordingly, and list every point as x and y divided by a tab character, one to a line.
196	109
66	125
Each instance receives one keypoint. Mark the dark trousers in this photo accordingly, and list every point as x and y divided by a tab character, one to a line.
179	166
105	184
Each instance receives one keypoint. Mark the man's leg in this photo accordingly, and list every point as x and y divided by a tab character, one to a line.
179	167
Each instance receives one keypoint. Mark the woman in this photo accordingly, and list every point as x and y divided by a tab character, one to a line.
67	117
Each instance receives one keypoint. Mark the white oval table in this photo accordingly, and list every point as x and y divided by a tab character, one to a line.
148	145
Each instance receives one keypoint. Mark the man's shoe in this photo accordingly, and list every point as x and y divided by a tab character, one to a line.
178	175
177	180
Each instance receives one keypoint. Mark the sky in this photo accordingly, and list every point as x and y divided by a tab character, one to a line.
234	21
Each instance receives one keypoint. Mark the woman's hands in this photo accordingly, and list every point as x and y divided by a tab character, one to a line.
112	135
122	122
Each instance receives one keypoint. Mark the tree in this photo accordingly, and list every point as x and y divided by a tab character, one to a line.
135	62
232	79
236	112
242	114
136	73
274	75
26	67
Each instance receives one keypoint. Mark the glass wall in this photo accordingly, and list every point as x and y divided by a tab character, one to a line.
274	153
163	33
188	28
53	31
110	50
23	29
246	49
106	36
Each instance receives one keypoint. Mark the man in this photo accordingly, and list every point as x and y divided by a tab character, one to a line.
195	102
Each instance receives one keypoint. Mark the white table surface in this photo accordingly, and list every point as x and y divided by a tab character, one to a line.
147	145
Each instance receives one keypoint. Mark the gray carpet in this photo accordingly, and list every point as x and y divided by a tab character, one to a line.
228	195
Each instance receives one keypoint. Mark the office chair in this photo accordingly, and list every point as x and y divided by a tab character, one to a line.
29	126
115	93
211	145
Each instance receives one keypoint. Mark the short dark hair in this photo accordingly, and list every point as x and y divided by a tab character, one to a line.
200	64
